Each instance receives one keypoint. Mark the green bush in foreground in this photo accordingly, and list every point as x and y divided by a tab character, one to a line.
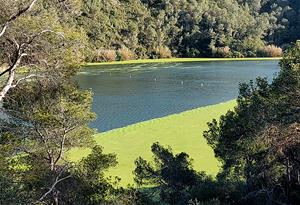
258	143
172	177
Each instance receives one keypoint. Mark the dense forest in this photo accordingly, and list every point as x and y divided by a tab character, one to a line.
44	114
131	29
127	29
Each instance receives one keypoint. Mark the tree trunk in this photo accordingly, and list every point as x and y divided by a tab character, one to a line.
52	165
11	77
55	197
8	85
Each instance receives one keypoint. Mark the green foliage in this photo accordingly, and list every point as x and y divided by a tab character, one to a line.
62	42
9	191
187	28
258	142
190	28
46	120
47	115
173	175
169	169
43	114
88	184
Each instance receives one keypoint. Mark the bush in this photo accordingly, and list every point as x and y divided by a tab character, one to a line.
249	46
250	53
125	54
191	53
236	54
163	52
105	56
270	51
222	52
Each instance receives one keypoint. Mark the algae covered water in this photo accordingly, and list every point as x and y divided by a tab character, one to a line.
128	94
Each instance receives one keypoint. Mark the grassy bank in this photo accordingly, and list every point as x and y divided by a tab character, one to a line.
183	132
178	60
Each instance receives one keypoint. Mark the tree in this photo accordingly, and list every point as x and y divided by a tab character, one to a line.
189	28
88	184
34	41
173	175
19	54
249	143
46	120
15	16
43	112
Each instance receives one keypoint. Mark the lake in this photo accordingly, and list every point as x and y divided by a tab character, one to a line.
128	94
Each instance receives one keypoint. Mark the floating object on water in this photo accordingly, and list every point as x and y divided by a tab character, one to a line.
130	76
155	79
202	84
182	82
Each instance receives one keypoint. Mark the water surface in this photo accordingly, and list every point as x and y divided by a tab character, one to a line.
127	94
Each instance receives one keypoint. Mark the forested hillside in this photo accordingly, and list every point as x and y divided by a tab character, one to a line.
44	114
126	29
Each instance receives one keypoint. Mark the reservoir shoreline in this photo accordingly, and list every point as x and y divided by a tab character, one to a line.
177	60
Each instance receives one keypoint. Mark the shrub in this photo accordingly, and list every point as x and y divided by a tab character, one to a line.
222	52
270	51
236	54
192	52
125	54
105	56
163	52
250	53
249	46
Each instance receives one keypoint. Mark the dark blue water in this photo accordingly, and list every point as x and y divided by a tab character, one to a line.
127	94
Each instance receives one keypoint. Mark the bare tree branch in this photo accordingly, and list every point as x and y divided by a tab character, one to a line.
11	78
15	64
25	78
57	181
4	29
16	16
61	149
42	138
20	53
43	32
27	44
52	188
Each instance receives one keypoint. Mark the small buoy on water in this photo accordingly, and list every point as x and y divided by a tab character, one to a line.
202	84
182	82
155	79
